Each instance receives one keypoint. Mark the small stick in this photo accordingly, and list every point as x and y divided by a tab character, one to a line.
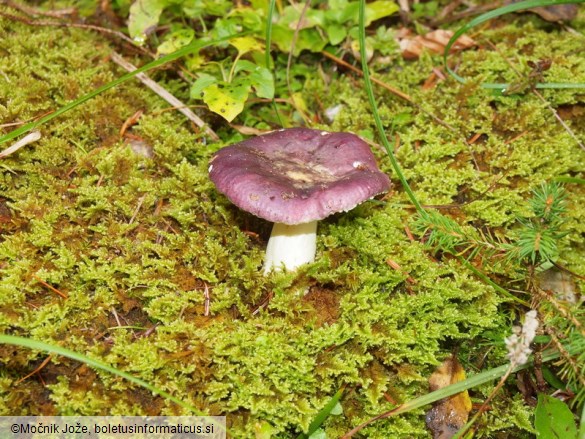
559	118
207	299
354	69
38	369
391	89
137	209
31	12
165	95
29	138
53	289
116	316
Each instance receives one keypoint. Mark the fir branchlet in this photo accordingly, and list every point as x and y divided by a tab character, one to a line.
537	239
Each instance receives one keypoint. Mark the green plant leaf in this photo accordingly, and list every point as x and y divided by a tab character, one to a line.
318	434
263	82
374	11
175	41
227	100
380	9
336	33
553	419
246	44
201	84
308	39
144	14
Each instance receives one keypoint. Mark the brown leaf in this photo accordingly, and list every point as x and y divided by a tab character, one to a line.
561	283
556	13
448	415
248	131
411	46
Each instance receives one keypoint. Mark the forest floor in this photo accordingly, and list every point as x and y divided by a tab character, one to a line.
117	245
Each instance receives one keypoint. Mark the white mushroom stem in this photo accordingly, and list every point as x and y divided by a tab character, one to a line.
290	246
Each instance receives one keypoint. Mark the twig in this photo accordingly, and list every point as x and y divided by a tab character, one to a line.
354	69
100	29
29	138
137	209
539	96
35	12
207	300
391	89
38	369
116	316
50	287
117	58
556	115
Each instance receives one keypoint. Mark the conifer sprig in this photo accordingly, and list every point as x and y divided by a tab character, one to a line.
535	241
538	237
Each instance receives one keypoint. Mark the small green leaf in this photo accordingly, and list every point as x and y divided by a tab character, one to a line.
336	33
226	100
246	44
380	9
374	11
551	378
322	415
308	39
201	84
318	434
263	83
144	15
337	410
175	41
245	65
258	77
553	419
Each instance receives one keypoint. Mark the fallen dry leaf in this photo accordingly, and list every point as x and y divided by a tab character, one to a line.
556	13
411	46
561	283
248	131
448	415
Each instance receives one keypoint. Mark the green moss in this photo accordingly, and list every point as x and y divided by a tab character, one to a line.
137	243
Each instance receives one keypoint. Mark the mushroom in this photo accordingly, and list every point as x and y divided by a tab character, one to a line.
295	177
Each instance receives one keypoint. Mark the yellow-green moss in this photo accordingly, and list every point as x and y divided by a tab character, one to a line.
135	242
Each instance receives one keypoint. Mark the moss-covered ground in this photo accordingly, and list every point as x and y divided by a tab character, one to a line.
137	242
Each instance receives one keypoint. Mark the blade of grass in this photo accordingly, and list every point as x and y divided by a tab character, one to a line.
562	179
494	285
528	4
323	414
41	346
268	58
379	126
196	45
474	381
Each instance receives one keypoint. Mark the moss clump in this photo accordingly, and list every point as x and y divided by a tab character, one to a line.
142	246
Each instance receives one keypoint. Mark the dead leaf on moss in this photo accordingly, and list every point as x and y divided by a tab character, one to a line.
556	13
561	283
448	415
248	131
29	138
411	46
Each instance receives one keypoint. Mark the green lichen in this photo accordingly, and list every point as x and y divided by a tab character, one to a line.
136	243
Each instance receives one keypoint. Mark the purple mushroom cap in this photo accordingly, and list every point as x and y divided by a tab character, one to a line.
298	175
